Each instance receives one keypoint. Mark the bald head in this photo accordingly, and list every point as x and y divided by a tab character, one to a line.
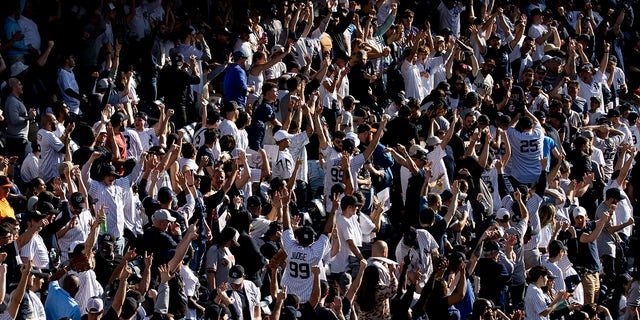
71	284
379	249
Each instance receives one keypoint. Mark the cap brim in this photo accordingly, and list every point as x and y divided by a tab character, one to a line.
7	185
235	280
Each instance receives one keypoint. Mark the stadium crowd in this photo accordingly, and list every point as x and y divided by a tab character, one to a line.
323	159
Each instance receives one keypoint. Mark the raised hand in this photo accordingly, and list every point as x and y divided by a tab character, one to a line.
165	274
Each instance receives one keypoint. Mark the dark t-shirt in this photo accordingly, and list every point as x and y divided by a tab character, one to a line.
493	278
159	243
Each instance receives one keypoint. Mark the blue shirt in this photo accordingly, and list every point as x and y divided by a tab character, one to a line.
19	47
235	85
262	114
60	304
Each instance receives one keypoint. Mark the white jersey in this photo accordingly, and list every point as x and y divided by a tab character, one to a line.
526	150
134	146
147	138
333	171
635	136
490	178
297	275
420	259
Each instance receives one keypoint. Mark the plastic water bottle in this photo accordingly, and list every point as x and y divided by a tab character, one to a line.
103	224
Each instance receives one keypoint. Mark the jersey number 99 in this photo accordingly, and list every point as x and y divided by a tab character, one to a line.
299	270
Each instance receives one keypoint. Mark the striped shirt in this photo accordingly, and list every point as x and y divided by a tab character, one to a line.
37	251
89	287
134	145
79	232
533	204
113	198
535	302
297	275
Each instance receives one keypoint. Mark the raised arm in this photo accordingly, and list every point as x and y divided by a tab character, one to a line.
376	139
461	287
16	299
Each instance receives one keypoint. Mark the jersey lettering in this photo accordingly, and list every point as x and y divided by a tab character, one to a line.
529	146
299	270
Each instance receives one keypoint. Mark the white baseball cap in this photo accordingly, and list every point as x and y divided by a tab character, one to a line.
502	213
163	214
579	211
281	135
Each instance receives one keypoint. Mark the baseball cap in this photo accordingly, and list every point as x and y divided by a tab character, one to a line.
586	67
349	100
613	59
353	137
141	114
537	84
566	97
253	202
177	59
579	211
163	214
281	135
277	49
39	273
236	274
102	84
439	39
587	134
77	200
165	194
614	193
502	214
365	128
432	141
5	182
306	235
230	234
46	207
237	55
129	308
34	215
536	12
95	305
419	153
107	238
494	36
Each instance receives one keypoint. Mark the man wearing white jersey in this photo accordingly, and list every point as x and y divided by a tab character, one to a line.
303	251
111	191
148	136
331	152
525	138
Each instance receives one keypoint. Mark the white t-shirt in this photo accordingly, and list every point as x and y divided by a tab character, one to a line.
348	229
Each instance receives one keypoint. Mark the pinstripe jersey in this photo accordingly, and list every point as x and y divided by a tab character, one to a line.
37	251
134	146
490	178
533	204
114	198
297	274
89	287
535	301
79	232
526	149
333	171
